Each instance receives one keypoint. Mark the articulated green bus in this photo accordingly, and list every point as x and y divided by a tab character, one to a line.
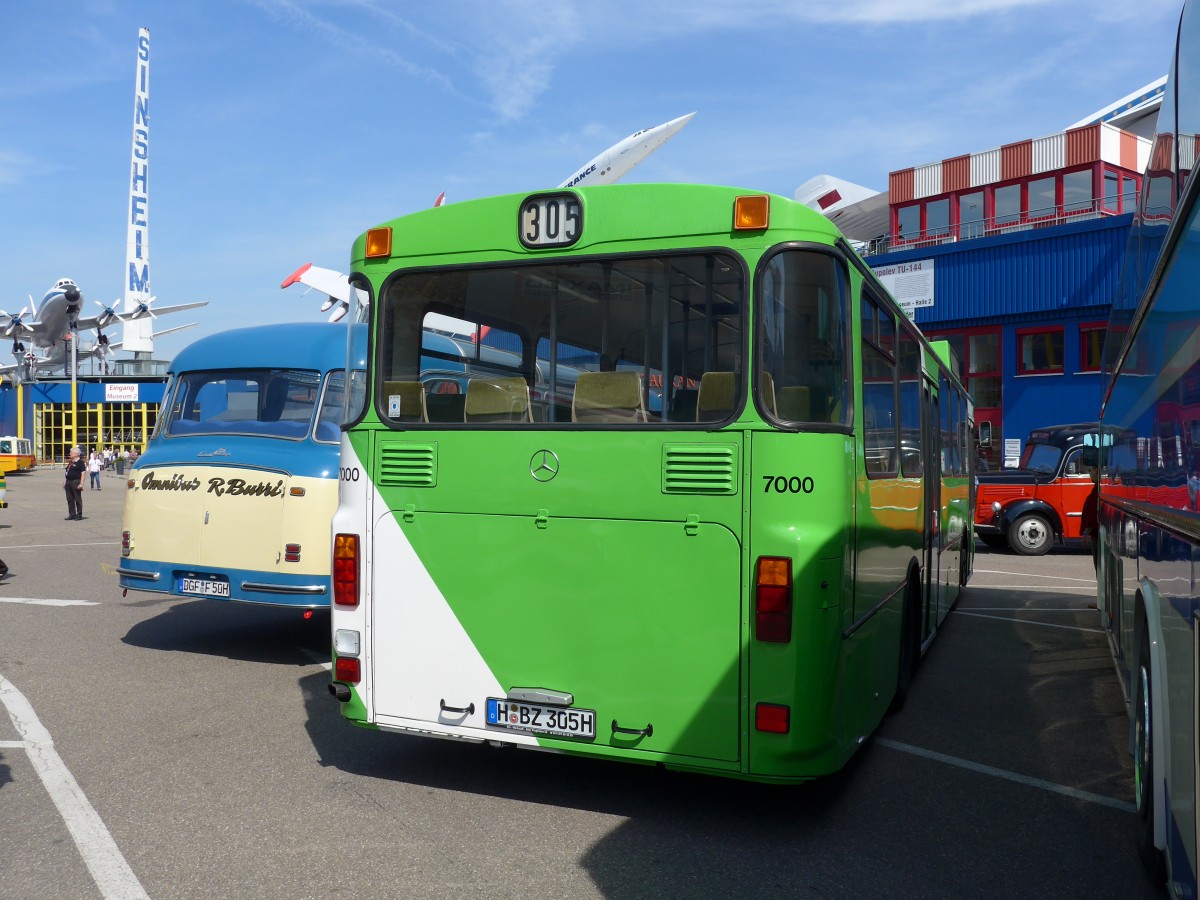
648	472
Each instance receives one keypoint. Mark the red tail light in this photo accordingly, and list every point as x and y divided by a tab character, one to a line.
773	599
291	552
345	570
347	669
772	717
124	543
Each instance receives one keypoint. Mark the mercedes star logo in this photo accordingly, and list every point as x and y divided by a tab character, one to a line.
544	465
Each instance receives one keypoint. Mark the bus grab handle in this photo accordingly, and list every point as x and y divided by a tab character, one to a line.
648	731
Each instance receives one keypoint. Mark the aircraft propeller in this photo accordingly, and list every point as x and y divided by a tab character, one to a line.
14	322
108	315
143	309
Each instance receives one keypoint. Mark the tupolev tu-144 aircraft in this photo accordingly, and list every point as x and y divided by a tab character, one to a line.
57	316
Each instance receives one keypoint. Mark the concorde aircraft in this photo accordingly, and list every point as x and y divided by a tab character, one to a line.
606	168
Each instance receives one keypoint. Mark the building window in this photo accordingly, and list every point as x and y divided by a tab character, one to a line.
1042	199
970	215
1112	191
1041	351
1077	192
937	217
1091	346
1008	204
908	222
1129	189
983	368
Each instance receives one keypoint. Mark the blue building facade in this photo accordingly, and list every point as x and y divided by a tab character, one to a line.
107	412
1026	311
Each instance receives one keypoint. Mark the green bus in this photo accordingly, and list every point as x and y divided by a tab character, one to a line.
653	472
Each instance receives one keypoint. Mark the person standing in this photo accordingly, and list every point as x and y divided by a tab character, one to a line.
94	467
73	484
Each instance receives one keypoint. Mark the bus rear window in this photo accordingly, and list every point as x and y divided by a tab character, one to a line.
261	402
628	342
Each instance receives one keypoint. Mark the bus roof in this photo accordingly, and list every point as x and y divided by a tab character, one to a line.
657	213
293	345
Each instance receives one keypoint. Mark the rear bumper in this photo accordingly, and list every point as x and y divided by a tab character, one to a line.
245	586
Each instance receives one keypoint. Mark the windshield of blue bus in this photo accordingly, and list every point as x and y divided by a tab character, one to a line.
277	403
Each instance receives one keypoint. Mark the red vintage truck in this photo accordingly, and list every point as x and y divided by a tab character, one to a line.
1041	502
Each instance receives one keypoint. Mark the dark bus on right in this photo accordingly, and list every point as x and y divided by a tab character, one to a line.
1148	561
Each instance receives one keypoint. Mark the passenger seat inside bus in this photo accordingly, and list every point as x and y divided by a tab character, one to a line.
717	397
497	400
766	391
612	397
407	398
794	405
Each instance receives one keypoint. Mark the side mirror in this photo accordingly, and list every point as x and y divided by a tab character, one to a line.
983	434
1090	457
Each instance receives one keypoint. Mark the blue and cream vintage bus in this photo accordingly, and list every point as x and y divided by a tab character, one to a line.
234	495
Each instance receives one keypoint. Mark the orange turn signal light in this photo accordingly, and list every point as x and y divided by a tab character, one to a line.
751	213
379	242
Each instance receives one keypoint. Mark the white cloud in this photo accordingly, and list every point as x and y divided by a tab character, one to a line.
15	167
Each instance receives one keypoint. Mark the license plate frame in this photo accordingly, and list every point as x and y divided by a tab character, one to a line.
203	587
540	718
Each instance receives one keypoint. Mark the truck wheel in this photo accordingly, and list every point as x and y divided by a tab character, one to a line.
1031	535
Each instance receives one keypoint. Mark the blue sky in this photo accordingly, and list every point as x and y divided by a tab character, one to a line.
281	129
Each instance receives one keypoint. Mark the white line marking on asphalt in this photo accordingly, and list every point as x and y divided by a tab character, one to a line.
107	866
1074	793
1031	575
44	546
1029	589
37	601
962	612
1067	609
10	745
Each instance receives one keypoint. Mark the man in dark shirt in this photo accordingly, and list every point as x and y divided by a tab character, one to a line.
73	484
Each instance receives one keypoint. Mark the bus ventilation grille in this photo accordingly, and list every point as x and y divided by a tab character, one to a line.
700	469
408	465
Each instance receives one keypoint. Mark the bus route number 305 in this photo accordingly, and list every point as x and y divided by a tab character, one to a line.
783	484
551	220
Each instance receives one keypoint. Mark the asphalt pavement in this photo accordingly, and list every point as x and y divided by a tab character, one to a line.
167	748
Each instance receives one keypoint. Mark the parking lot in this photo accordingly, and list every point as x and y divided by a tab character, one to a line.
189	748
